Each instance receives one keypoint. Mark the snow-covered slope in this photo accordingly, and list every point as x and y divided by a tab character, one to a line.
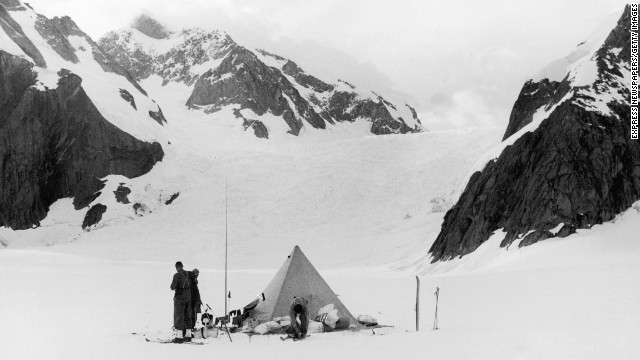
70	116
91	118
304	191
567	160
546	302
62	45
261	86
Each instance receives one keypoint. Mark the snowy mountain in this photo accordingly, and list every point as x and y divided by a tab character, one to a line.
69	117
72	115
358	206
255	85
566	161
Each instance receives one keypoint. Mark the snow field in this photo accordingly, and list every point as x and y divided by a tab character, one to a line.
564	299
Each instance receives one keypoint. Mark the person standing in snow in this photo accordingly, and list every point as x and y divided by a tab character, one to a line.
299	313
196	302
181	304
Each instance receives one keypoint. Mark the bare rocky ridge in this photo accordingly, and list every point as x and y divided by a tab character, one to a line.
54	143
236	76
579	168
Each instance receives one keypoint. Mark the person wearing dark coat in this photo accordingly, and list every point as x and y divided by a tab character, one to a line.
181	304
299	313
196	302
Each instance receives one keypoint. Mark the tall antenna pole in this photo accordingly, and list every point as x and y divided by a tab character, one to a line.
226	197
417	303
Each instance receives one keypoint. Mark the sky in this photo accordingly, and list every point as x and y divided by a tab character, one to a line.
460	64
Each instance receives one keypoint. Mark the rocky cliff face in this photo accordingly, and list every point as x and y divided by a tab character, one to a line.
222	74
567	161
54	141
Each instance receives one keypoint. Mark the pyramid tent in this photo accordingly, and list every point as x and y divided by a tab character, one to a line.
297	277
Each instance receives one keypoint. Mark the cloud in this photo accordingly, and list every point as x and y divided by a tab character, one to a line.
462	109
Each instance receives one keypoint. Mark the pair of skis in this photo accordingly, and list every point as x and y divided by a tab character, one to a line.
163	341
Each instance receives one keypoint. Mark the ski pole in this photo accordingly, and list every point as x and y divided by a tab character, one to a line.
435	318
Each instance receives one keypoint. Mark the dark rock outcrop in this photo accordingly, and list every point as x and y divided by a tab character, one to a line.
255	86
141	209
126	96
121	194
344	106
94	215
532	96
158	116
259	129
534	237
566	230
51	32
306	80
172	198
579	167
56	144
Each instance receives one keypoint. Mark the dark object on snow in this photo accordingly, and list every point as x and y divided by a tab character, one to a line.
174	341
206	319
173	197
94	215
121	194
182	299
342	324
299	313
158	116
126	96
196	302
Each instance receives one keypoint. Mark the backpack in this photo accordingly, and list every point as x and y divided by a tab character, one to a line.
183	282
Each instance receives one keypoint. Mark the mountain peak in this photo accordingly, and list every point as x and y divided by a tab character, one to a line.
566	161
150	27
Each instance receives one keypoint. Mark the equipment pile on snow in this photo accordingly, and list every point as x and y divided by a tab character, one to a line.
297	278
